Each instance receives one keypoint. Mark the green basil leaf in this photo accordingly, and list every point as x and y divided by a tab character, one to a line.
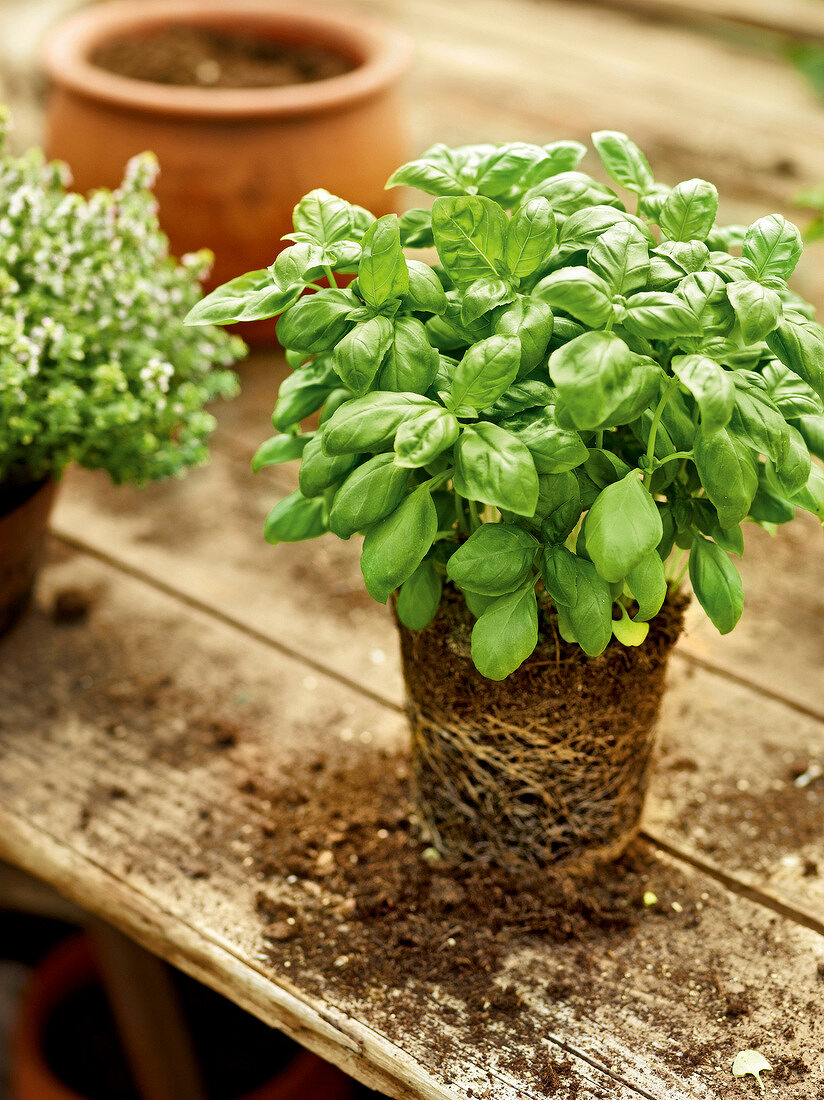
728	471
605	468
647	584
420	596
571	191
302	393
424	436
794	472
370	492
425	293
486	371
505	634
705	292
396	545
800	346
659	315
773	246
591	373
812	431
578	291
757	421
359	354
560	156
280	448
323	217
689	211
589	619
482	297
435	173
369	423
554	450
416	229
530	237
249	297
492	465
621	257
495	559
706	520
316	322
623	526
642	388
470	235
717	584
294	519
528	394
501	171
691	256
382	272
531	321
582	229
811	497
411	362
559	572
710	385
792	396
319	471
623	160
756	308
559	506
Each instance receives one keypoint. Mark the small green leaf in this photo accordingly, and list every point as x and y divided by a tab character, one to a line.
728	472
621	257
470	235
435	173
592	373
531	321
710	385
689	211
302	393
495	559
716	584
369	423
485	372
280	448
799	344
411	362
623	526
756	308
319	471
530	238
419	597
425	294
482	297
647	583
316	322
589	619
382	272
323	216
581	293
659	315
505	634
395	546
773	247
359	353
559	506
294	519
494	466
424	436
370	492
623	160
630	632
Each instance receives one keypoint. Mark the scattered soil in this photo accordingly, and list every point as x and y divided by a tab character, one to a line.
202	57
71	605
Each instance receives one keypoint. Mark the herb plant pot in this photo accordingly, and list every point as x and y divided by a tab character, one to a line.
24	517
234	160
64	992
547	767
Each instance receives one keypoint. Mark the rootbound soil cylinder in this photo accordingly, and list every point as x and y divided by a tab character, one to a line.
549	766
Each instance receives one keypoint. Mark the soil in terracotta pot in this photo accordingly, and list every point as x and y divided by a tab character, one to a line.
202	57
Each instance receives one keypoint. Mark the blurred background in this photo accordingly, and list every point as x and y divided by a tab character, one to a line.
729	90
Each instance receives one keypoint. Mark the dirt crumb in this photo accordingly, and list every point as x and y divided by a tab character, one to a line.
71	605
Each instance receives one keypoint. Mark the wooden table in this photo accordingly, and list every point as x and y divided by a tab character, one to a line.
137	748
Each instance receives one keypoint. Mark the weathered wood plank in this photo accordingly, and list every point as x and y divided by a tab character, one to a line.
788	18
138	751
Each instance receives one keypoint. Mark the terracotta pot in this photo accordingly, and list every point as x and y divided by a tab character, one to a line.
22	539
70	967
233	161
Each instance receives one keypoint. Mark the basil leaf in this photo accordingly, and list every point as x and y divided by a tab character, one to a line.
323	217
503	169
425	293
727	469
294	519
716	583
359	354
588	620
396	545
470	234
423	437
559	506
492	465
435	173
416	229
505	634
554	450
706	520
369	423
757	421
791	396
689	211
382	271
705	292
419	597
482	297
812	431
319	471
578	291
559	573
249	297
411	362
623	526
371	491
647	583
530	237
528	394
621	257
773	246
302	393
756	308
811	497
531	321
794	472
582	229
605	468
495	559
280	448
591	373
623	160
316	322
571	191
658	315
485	372
800	346
560	156
710	385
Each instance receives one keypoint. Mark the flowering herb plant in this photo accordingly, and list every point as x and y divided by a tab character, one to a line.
572	407
96	365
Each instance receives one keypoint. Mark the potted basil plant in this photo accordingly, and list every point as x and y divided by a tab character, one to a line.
96	366
540	436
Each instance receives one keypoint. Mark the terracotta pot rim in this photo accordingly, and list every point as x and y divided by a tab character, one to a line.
384	54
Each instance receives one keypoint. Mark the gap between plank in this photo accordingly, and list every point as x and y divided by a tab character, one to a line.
730	882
